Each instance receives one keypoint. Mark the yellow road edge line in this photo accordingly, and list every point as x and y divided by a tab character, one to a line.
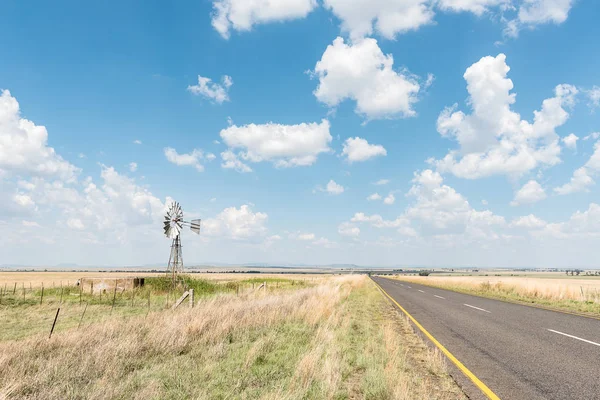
482	386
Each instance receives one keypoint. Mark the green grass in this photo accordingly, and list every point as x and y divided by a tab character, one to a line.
28	313
333	342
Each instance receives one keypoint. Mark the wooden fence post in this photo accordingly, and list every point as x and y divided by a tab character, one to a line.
42	294
15	288
54	323
114	297
61	293
82	314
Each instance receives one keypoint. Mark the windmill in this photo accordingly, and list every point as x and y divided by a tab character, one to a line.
173	225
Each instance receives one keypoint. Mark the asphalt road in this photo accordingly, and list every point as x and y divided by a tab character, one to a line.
519	352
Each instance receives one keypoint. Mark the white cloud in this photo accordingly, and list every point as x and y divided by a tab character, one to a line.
382	182
439	208
324	242
374	196
242	15
30	224
493	139
544	11
237	223
361	72
580	224
213	91
594	96
231	161
592	136
75	223
582	178
390	199
283	145
477	7
306	236
528	222
24	201
358	149
388	18
133	166
332	188
137	141
570	141
190	159
348	229
535	12
530	193
24	146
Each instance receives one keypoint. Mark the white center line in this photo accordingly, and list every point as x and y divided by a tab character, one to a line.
574	337
401	285
439	297
421	291
410	287
477	308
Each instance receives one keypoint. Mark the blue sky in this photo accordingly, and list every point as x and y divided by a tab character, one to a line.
320	100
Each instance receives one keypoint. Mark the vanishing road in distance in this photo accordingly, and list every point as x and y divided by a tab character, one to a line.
519	352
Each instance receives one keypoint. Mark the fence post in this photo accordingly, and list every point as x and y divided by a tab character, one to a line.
82	314
54	323
15	288
23	292
114	297
42	294
61	293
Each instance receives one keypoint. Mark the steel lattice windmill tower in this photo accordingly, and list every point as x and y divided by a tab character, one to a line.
173	225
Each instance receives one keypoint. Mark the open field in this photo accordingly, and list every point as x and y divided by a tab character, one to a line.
569	293
333	339
54	278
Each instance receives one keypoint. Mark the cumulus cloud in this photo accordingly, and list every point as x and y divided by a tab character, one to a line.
190	159
477	7
570	141
24	146
594	97
582	178
75	223
133	166
213	91
536	12
242	15
283	145
530	193
332	188
137	141
493	139
389	199
231	161
528	222
362	73
237	223
439	208
348	229
388	18
358	149
374	196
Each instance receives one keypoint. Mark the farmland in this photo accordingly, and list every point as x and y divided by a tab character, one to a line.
554	290
318	337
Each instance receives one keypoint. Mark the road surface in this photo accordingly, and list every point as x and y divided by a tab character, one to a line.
519	352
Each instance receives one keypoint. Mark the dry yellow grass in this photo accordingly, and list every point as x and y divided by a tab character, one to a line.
582	295
50	278
339	339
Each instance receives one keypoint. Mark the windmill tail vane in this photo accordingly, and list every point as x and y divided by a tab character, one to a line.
173	226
